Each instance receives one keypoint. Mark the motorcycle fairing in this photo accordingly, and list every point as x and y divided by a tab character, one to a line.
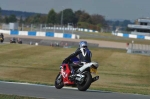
65	72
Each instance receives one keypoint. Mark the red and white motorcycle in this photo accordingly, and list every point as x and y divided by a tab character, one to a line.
81	78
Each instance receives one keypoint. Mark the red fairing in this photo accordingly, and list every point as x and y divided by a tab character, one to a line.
65	72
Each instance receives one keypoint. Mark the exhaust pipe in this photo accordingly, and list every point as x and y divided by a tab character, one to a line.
95	79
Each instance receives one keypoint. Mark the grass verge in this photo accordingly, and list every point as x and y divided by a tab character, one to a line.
110	37
118	71
4	96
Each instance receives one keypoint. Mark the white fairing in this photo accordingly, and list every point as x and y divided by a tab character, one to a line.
87	65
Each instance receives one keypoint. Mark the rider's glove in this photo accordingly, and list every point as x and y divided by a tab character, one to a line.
60	66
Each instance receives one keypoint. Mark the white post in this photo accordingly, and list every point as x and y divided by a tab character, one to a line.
132	46
22	27
40	27
45	27
63	29
72	30
31	27
54	28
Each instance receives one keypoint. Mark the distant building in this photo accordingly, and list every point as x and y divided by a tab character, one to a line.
10	26
141	27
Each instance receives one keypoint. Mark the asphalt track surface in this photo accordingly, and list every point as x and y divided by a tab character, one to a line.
50	92
105	44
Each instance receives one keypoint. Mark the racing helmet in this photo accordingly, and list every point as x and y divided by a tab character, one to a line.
83	44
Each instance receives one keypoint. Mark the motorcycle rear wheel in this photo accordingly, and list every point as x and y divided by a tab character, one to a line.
59	81
86	83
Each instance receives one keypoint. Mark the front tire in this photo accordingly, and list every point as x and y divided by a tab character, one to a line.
59	81
86	82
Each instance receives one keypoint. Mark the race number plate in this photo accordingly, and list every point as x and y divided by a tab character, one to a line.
93	70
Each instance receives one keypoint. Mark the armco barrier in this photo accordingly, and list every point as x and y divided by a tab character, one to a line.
49	34
14	32
65	35
140	36
38	33
23	33
132	36
31	33
126	35
59	35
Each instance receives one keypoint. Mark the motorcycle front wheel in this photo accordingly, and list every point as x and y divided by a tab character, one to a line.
59	81
85	84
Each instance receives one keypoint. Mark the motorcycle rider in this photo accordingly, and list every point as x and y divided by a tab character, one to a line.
83	53
1	37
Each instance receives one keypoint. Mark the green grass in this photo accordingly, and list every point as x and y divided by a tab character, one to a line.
3	96
110	37
118	71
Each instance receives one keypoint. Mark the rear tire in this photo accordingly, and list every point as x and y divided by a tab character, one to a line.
59	81
86	83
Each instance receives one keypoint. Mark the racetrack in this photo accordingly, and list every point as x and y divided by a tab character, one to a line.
105	44
50	92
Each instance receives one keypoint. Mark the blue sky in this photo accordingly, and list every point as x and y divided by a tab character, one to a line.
111	9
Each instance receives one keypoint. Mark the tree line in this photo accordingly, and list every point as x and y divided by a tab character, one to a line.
78	18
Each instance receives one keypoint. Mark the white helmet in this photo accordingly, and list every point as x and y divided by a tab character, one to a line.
83	44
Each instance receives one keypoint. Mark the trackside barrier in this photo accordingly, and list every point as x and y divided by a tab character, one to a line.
74	29
138	49
135	48
31	33
50	34
23	33
65	35
131	36
46	34
5	31
14	32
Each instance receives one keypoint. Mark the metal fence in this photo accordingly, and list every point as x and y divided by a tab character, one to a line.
138	48
47	28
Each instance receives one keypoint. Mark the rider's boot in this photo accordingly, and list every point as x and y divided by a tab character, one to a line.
72	75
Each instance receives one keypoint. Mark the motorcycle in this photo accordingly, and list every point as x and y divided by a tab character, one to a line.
1	39
80	76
